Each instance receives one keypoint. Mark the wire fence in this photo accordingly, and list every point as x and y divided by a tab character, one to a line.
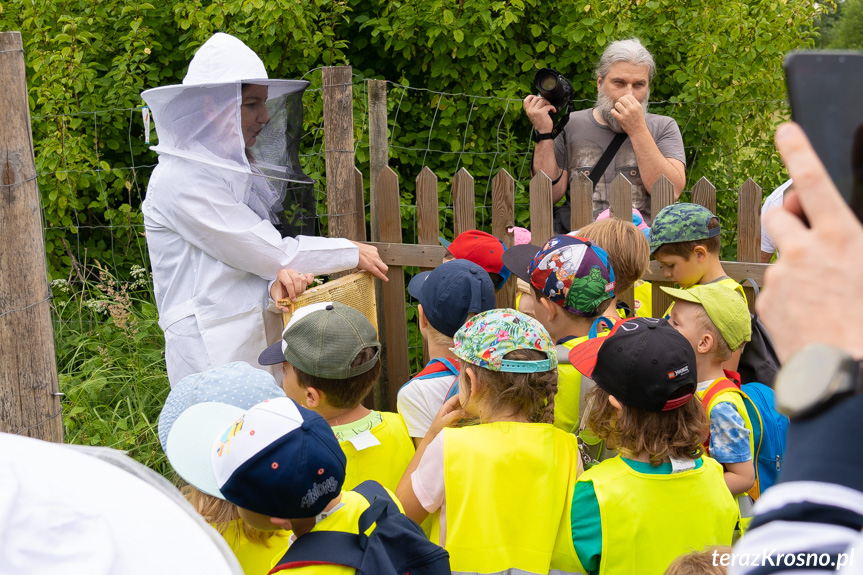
93	168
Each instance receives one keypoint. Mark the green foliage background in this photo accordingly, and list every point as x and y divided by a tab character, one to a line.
719	75
458	71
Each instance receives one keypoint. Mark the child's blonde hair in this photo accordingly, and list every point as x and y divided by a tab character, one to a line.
677	433
627	248
705	562
530	395
220	513
721	349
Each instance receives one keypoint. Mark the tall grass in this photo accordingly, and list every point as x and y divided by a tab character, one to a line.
111	363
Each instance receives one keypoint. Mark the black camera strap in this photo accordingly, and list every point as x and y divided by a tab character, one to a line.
606	157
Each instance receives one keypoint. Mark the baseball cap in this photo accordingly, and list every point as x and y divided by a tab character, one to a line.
725	307
490	335
450	292
236	383
481	248
644	362
681	222
570	271
323	339
276	458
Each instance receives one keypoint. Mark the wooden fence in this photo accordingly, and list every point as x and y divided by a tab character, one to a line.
345	196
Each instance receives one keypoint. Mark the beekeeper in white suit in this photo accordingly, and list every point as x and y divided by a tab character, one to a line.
227	154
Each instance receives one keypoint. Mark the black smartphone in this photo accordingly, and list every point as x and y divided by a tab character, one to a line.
825	90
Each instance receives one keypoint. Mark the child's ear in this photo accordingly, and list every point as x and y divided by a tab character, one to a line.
281	523
475	385
706	343
422	316
551	308
313	397
700	253
615	403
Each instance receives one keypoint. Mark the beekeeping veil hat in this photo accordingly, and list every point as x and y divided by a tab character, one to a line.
201	120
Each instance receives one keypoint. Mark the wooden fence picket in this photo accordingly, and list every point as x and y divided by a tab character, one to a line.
502	219
749	229
620	204
661	195
464	202
581	201
704	194
541	218
392	316
428	222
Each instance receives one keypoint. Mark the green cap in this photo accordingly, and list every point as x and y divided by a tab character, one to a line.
681	223
725	307
326	338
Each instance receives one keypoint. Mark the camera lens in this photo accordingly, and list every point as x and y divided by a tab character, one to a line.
548	83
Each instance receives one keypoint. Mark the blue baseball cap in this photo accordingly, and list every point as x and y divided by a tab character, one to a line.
276	458
450	292
237	384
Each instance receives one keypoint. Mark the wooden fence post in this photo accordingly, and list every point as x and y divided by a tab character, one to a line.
394	317
339	152
29	389
580	201
661	195
503	218
428	222
378	143
749	229
541	215
463	203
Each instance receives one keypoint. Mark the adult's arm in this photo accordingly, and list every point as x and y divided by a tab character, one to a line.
537	109
817	506
652	163
205	213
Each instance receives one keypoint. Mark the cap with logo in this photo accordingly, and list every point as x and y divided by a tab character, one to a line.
323	339
487	337
570	271
276	458
481	248
725	307
643	362
236	383
450	292
681	222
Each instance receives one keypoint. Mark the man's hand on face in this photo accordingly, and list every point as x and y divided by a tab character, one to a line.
630	113
538	109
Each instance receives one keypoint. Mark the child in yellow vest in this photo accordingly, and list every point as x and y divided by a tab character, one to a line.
242	386
660	497
573	283
448	295
279	463
330	358
501	490
716	322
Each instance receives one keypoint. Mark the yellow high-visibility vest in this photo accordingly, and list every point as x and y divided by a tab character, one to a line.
509	490
648	520
384	463
568	396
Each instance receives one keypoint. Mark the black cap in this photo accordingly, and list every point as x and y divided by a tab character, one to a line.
644	362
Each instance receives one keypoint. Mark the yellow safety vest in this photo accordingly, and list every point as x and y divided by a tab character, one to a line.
384	463
255	557
649	520
566	400
509	490
643	295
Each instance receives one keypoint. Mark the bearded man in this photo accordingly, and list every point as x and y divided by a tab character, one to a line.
653	145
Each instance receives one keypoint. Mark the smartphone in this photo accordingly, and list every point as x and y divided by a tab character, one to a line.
825	90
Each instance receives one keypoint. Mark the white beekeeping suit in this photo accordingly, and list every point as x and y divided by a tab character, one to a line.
211	204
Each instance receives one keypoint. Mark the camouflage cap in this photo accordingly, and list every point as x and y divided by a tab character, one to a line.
681	223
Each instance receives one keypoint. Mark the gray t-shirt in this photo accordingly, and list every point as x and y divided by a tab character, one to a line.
587	139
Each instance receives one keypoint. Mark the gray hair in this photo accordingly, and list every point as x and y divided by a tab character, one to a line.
631	51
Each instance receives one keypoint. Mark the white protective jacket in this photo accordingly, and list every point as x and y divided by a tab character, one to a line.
208	213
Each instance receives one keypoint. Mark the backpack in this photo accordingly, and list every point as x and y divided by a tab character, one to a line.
758	362
769	429
397	546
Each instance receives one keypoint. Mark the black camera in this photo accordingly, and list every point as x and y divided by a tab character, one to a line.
555	88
